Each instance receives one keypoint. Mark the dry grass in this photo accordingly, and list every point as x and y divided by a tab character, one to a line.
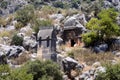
87	56
5	34
3	21
62	48
21	59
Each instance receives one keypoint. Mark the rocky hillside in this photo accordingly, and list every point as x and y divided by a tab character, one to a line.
93	25
10	6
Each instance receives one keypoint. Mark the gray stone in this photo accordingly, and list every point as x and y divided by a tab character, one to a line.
117	54
30	44
100	48
26	29
92	71
57	16
101	69
75	19
21	35
96	64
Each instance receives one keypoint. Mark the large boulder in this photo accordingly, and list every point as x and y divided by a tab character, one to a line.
57	16
10	28
75	19
100	48
117	54
15	51
107	4
30	44
96	64
26	29
21	35
11	51
116	2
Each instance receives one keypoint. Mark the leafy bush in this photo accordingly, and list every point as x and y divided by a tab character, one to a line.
75	3
16	74
20	74
112	73
16	40
104	27
59	4
89	38
48	10
44	70
25	15
41	23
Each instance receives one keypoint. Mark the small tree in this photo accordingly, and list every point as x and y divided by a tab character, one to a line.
89	38
104	27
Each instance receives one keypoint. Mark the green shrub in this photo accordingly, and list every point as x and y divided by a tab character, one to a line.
75	3
46	70
4	4
102	28
16	40
59	4
25	15
89	38
41	23
112	73
14	74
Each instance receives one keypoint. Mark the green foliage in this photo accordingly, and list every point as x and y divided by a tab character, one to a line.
44	70
45	22
71	54
36	3
104	27
89	38
25	15
36	70
59	4
4	69
20	74
41	23
16	40
75	3
16	74
4	4
112	73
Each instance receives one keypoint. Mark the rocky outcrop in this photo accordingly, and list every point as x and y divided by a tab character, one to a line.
11	51
11	6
